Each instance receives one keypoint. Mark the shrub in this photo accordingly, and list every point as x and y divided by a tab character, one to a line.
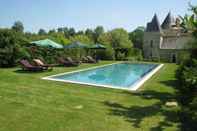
23	53
134	54
120	56
187	89
10	42
183	56
107	54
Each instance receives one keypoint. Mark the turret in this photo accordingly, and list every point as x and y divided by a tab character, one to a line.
154	25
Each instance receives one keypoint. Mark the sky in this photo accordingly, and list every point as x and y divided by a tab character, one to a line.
82	14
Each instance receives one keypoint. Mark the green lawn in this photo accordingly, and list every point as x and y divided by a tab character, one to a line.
28	103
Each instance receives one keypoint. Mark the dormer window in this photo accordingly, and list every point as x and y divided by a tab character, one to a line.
151	43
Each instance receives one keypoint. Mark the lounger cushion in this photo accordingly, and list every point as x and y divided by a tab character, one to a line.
39	62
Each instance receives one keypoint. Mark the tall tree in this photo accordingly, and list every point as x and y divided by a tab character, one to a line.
53	31
18	26
71	32
80	32
42	32
66	32
81	38
120	39
117	39
187	78
137	37
10	42
89	33
97	32
60	30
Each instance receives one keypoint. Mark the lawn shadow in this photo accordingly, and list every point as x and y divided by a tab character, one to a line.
135	114
32	72
170	83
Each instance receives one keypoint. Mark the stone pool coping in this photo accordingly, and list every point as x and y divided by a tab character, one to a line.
133	87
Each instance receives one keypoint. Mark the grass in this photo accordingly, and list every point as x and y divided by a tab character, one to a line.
30	103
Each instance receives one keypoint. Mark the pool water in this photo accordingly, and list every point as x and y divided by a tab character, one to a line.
122	75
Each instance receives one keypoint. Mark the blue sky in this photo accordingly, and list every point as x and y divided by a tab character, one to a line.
82	14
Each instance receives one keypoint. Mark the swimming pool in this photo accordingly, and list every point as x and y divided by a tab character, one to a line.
129	76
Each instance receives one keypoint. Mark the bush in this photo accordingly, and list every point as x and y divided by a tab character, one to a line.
120	56
10	42
183	56
107	54
134	54
47	54
24	53
187	89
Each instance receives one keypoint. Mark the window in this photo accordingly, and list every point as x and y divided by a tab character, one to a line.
151	43
151	54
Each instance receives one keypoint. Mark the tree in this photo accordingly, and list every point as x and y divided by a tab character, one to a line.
187	78
60	30
18	26
117	40
97	32
137	37
80	32
10	42
53	31
71	32
120	39
66	32
89	33
81	38
42	32
59	38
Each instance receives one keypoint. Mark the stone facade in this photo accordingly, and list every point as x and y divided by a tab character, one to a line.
166	41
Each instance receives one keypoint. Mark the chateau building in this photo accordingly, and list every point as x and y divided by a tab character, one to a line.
165	41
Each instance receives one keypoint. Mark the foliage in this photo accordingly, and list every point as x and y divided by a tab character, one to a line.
10	42
97	32
137	37
113	40
81	38
187	78
90	33
107	54
183	56
42	32
120	39
71	32
59	38
18	27
116	39
134	54
53	31
45	53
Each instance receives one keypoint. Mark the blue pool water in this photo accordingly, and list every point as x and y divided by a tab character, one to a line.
122	75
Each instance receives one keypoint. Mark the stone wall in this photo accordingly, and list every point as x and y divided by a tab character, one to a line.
151	44
164	47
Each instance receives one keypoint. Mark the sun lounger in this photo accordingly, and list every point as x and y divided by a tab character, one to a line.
29	67
73	61
91	59
64	62
39	62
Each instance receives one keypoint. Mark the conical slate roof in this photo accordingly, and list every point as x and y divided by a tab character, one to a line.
154	25
168	22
